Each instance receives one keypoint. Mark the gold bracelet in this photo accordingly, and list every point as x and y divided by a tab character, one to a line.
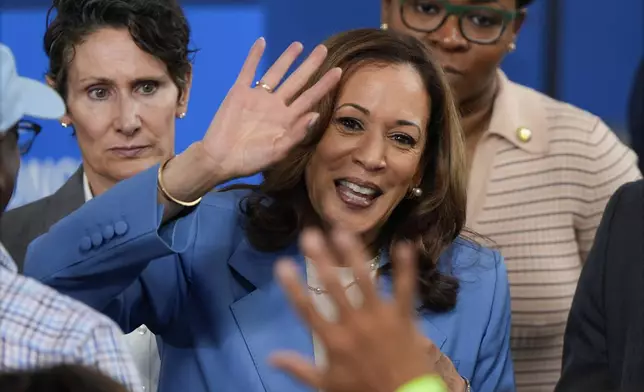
468	386
165	192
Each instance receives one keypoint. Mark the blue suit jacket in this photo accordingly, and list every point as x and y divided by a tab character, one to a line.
212	299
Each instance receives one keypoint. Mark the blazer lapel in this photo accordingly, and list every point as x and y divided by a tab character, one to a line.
426	327
269	323
266	318
66	200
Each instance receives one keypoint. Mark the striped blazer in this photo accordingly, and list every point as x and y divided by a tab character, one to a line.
540	179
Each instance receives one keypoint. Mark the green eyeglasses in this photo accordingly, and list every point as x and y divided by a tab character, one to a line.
478	24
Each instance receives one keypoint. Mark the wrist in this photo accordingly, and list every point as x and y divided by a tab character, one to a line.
207	166
426	383
190	175
466	385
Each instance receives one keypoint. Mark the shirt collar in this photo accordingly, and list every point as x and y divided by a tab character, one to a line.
6	261
86	189
519	116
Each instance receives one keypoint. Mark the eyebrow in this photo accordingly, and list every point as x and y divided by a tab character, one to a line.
102	80
367	113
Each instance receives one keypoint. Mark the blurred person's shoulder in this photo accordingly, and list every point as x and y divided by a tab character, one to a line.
38	325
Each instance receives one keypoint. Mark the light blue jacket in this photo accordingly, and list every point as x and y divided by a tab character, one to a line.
212	299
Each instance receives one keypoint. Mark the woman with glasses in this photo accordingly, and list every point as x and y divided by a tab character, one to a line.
540	171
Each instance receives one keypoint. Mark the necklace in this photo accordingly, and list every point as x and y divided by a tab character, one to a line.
373	265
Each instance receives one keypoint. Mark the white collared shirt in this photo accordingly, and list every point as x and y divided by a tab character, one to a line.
325	305
142	343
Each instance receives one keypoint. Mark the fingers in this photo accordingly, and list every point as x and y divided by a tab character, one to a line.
304	102
296	81
300	368
405	258
356	257
303	73
318	250
247	73
276	72
287	274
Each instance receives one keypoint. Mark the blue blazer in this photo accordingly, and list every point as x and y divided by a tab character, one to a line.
212	299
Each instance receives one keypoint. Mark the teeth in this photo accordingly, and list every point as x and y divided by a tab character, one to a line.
358	189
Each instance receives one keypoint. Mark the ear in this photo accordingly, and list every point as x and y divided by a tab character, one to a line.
66	118
385	10
184	96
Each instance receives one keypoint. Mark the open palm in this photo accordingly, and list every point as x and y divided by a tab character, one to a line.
255	127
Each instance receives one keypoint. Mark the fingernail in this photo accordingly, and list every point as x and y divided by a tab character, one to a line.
313	121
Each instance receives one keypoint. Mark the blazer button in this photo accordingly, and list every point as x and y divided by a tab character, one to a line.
120	228
108	232
85	244
97	239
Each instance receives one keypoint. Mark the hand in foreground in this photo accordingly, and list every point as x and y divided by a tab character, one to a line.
443	366
375	347
255	126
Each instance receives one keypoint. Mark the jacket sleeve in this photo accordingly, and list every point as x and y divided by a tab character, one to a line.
114	255
585	352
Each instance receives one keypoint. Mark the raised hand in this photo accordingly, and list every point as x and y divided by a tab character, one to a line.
374	347
254	126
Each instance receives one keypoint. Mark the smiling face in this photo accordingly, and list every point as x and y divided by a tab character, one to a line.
122	102
370	154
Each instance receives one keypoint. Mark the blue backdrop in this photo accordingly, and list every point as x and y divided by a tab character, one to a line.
600	47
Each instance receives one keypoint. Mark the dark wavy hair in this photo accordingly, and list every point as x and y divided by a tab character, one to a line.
523	3
158	27
276	211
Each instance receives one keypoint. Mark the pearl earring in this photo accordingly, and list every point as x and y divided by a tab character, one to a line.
416	192
512	47
384	26
64	124
182	115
